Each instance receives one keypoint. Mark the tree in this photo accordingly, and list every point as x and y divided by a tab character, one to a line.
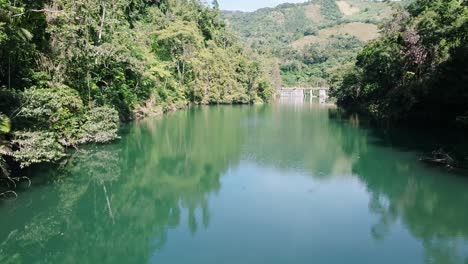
72	70
4	148
215	4
416	70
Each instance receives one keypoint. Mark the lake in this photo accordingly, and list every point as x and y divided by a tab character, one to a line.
291	182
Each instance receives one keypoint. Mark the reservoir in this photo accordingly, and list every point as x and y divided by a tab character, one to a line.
291	182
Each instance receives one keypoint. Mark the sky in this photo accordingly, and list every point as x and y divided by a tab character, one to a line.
252	5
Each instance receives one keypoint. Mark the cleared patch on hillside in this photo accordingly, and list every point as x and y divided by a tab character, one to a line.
369	11
312	12
346	8
363	31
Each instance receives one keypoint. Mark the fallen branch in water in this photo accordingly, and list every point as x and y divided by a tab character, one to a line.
11	183
438	158
108	203
4	195
442	158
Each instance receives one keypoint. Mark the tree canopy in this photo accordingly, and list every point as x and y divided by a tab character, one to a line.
71	70
417	70
310	40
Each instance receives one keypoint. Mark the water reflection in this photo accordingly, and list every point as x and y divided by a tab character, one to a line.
301	136
129	193
429	202
118	203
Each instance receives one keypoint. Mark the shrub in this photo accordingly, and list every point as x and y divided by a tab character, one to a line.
37	147
100	126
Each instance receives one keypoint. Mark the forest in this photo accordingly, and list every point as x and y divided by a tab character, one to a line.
416	71
72	70
123	138
310	40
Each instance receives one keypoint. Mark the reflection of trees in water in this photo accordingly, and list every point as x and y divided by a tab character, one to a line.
116	203
301	136
387	217
429	202
163	170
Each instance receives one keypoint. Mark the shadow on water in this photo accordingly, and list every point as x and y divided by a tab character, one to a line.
429	201
421	140
117	203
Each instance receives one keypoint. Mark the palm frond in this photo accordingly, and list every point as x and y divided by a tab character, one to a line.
25	34
4	124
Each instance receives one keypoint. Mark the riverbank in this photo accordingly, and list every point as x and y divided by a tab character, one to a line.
149	110
445	148
79	87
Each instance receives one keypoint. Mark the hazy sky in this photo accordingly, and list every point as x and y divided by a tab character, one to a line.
251	5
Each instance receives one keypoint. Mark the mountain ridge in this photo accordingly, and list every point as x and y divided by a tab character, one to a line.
310	39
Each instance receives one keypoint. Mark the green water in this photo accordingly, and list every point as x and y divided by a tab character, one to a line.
283	183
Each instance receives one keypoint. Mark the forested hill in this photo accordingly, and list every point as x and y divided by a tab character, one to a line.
311	39
417	71
70	69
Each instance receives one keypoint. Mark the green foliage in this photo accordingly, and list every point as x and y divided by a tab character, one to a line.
101	125
37	147
60	111
4	148
346	84
70	70
227	76
52	108
4	124
330	10
306	38
21	32
315	63
417	70
177	40
203	63
60	119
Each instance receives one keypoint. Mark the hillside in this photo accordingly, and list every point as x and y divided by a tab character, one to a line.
70	70
312	38
416	71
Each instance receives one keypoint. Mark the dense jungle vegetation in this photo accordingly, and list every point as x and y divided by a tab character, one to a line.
311	40
71	70
417	70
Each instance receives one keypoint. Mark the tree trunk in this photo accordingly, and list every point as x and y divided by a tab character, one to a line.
9	71
103	18
108	203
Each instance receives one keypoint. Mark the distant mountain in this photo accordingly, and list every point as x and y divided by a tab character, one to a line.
311	39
